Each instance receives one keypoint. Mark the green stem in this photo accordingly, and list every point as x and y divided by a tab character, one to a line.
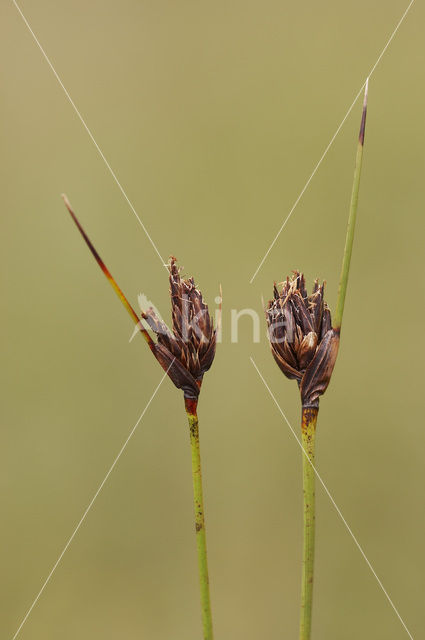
200	521
308	427
345	270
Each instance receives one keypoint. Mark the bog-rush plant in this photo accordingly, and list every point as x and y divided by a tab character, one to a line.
185	352
304	342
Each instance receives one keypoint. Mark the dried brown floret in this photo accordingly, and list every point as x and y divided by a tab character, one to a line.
190	347
302	340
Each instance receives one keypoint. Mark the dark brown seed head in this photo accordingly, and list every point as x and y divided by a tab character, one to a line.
188	349
302	340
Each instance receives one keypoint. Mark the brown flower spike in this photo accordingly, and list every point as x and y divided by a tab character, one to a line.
302	339
187	351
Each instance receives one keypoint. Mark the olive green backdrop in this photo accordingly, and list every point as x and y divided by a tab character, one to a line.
213	115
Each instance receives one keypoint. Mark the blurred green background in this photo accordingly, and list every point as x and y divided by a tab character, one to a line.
212	116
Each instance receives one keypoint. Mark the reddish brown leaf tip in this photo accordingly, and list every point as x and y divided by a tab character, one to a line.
363	122
83	233
108	275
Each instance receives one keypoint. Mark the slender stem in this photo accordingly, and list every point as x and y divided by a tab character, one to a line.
308	428
201	541
345	270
